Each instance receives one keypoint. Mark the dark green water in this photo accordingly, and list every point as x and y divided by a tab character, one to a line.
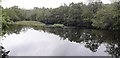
40	41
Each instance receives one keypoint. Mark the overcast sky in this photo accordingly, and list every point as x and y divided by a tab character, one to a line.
28	4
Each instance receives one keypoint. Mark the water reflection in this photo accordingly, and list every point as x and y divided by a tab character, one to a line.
62	41
92	38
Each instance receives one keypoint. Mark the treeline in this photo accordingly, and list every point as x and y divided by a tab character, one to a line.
4	18
93	15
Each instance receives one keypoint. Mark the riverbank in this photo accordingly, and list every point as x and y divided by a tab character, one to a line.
35	23
29	23
40	24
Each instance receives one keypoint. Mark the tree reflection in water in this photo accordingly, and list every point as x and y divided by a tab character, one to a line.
12	29
92	38
3	52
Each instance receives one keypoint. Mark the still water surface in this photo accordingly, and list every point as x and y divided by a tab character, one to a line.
38	41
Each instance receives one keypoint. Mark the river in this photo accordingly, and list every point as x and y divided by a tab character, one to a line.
41	41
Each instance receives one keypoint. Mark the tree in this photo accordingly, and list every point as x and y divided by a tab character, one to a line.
4	20
103	18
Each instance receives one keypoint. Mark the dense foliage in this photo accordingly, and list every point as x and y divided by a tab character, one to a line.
93	15
4	21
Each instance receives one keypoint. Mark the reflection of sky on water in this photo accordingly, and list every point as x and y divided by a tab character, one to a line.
35	43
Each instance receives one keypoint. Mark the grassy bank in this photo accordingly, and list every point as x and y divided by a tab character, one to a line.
29	23
56	25
35	23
